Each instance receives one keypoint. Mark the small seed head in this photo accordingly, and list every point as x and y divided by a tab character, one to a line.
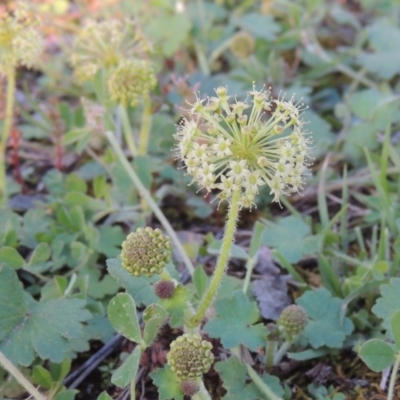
190	388
190	357
293	320
242	44
146	252
164	289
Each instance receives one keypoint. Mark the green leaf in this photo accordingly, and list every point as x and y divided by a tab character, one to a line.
385	62
60	371
167	384
234	376
154	316
234	323
41	254
377	354
11	258
395	325
42	377
104	396
45	328
122	315
388	303
140	289
176	305
308	354
67	395
259	25
236	251
322	134
291	237
110	240
200	280
171	30
325	327
127	371
12	304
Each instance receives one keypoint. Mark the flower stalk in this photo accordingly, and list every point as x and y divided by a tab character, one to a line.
222	262
145	127
6	131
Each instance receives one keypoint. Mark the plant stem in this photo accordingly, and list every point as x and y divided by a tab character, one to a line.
270	353
145	127
133	389
219	273
393	377
153	205
250	263
281	352
8	366
6	132
261	385
202	394
127	129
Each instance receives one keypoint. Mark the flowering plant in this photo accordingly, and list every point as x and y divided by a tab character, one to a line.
225	148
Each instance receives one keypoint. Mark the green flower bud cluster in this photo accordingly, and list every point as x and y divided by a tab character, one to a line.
131	79
190	357
20	41
293	320
234	145
242	44
120	49
146	252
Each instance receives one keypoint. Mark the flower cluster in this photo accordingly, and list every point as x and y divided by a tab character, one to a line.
120	50
146	252
190	357
232	145
20	41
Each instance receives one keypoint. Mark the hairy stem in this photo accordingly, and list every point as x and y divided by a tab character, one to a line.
261	385
145	127
153	205
219	273
6	132
8	366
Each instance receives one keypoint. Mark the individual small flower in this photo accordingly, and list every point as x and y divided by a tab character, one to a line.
190	388
164	289
190	357
130	80
242	44
105	44
146	252
249	144
293	320
20	40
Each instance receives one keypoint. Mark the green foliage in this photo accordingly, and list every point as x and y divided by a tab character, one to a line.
389	302
234	376
167	384
38	328
377	354
327	326
122	314
292	238
235	321
127	371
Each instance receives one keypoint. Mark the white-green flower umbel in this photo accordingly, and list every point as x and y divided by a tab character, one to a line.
20	40
233	146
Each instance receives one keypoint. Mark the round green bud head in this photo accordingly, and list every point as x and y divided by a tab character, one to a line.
145	252
242	44
293	319
190	388
164	289
130	80
190	357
